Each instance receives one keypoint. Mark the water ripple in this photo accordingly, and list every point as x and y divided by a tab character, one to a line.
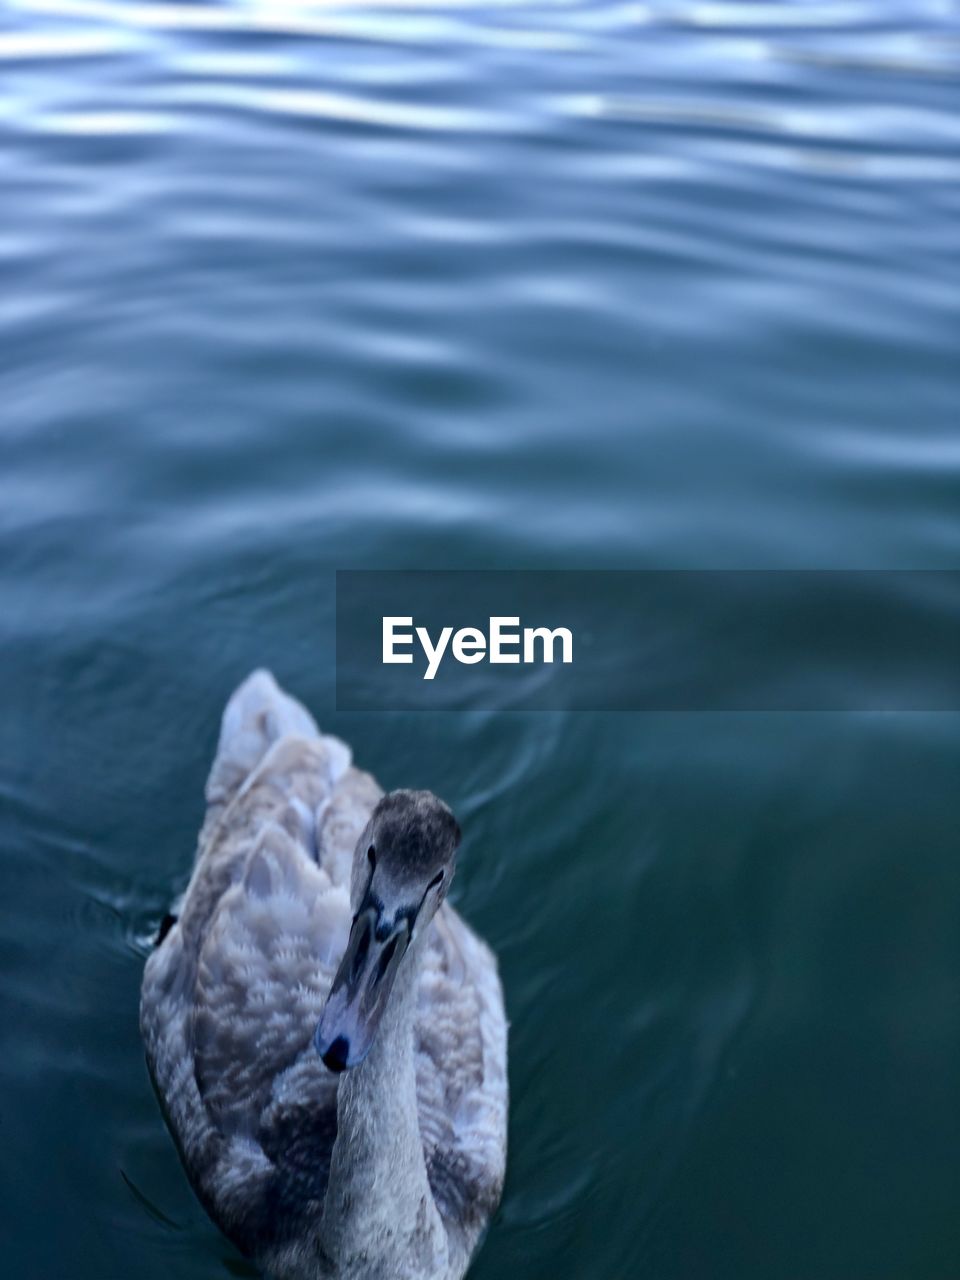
56	46
343	108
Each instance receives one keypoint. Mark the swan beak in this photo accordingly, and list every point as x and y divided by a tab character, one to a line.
361	990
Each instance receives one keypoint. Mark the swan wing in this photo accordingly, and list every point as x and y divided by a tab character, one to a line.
233	993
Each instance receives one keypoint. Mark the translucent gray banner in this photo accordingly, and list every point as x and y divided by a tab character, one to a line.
649	640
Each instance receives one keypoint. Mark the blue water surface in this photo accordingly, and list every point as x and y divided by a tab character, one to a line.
293	286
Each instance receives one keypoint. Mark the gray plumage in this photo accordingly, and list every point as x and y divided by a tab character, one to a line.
393	1169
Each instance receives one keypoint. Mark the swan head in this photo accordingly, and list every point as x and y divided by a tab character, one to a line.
402	868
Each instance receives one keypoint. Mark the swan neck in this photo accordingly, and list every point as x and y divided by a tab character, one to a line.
379	1216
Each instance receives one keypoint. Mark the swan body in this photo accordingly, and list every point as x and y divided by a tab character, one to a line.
326	1035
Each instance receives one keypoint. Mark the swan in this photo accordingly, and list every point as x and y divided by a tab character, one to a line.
325	1034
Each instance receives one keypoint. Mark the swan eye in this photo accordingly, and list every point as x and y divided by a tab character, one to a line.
372	856
437	880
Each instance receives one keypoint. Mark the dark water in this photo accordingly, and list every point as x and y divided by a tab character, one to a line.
287	287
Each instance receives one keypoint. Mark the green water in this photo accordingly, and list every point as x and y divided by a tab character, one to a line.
291	287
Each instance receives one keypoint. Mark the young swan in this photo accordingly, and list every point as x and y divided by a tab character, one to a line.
380	1218
382	1156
